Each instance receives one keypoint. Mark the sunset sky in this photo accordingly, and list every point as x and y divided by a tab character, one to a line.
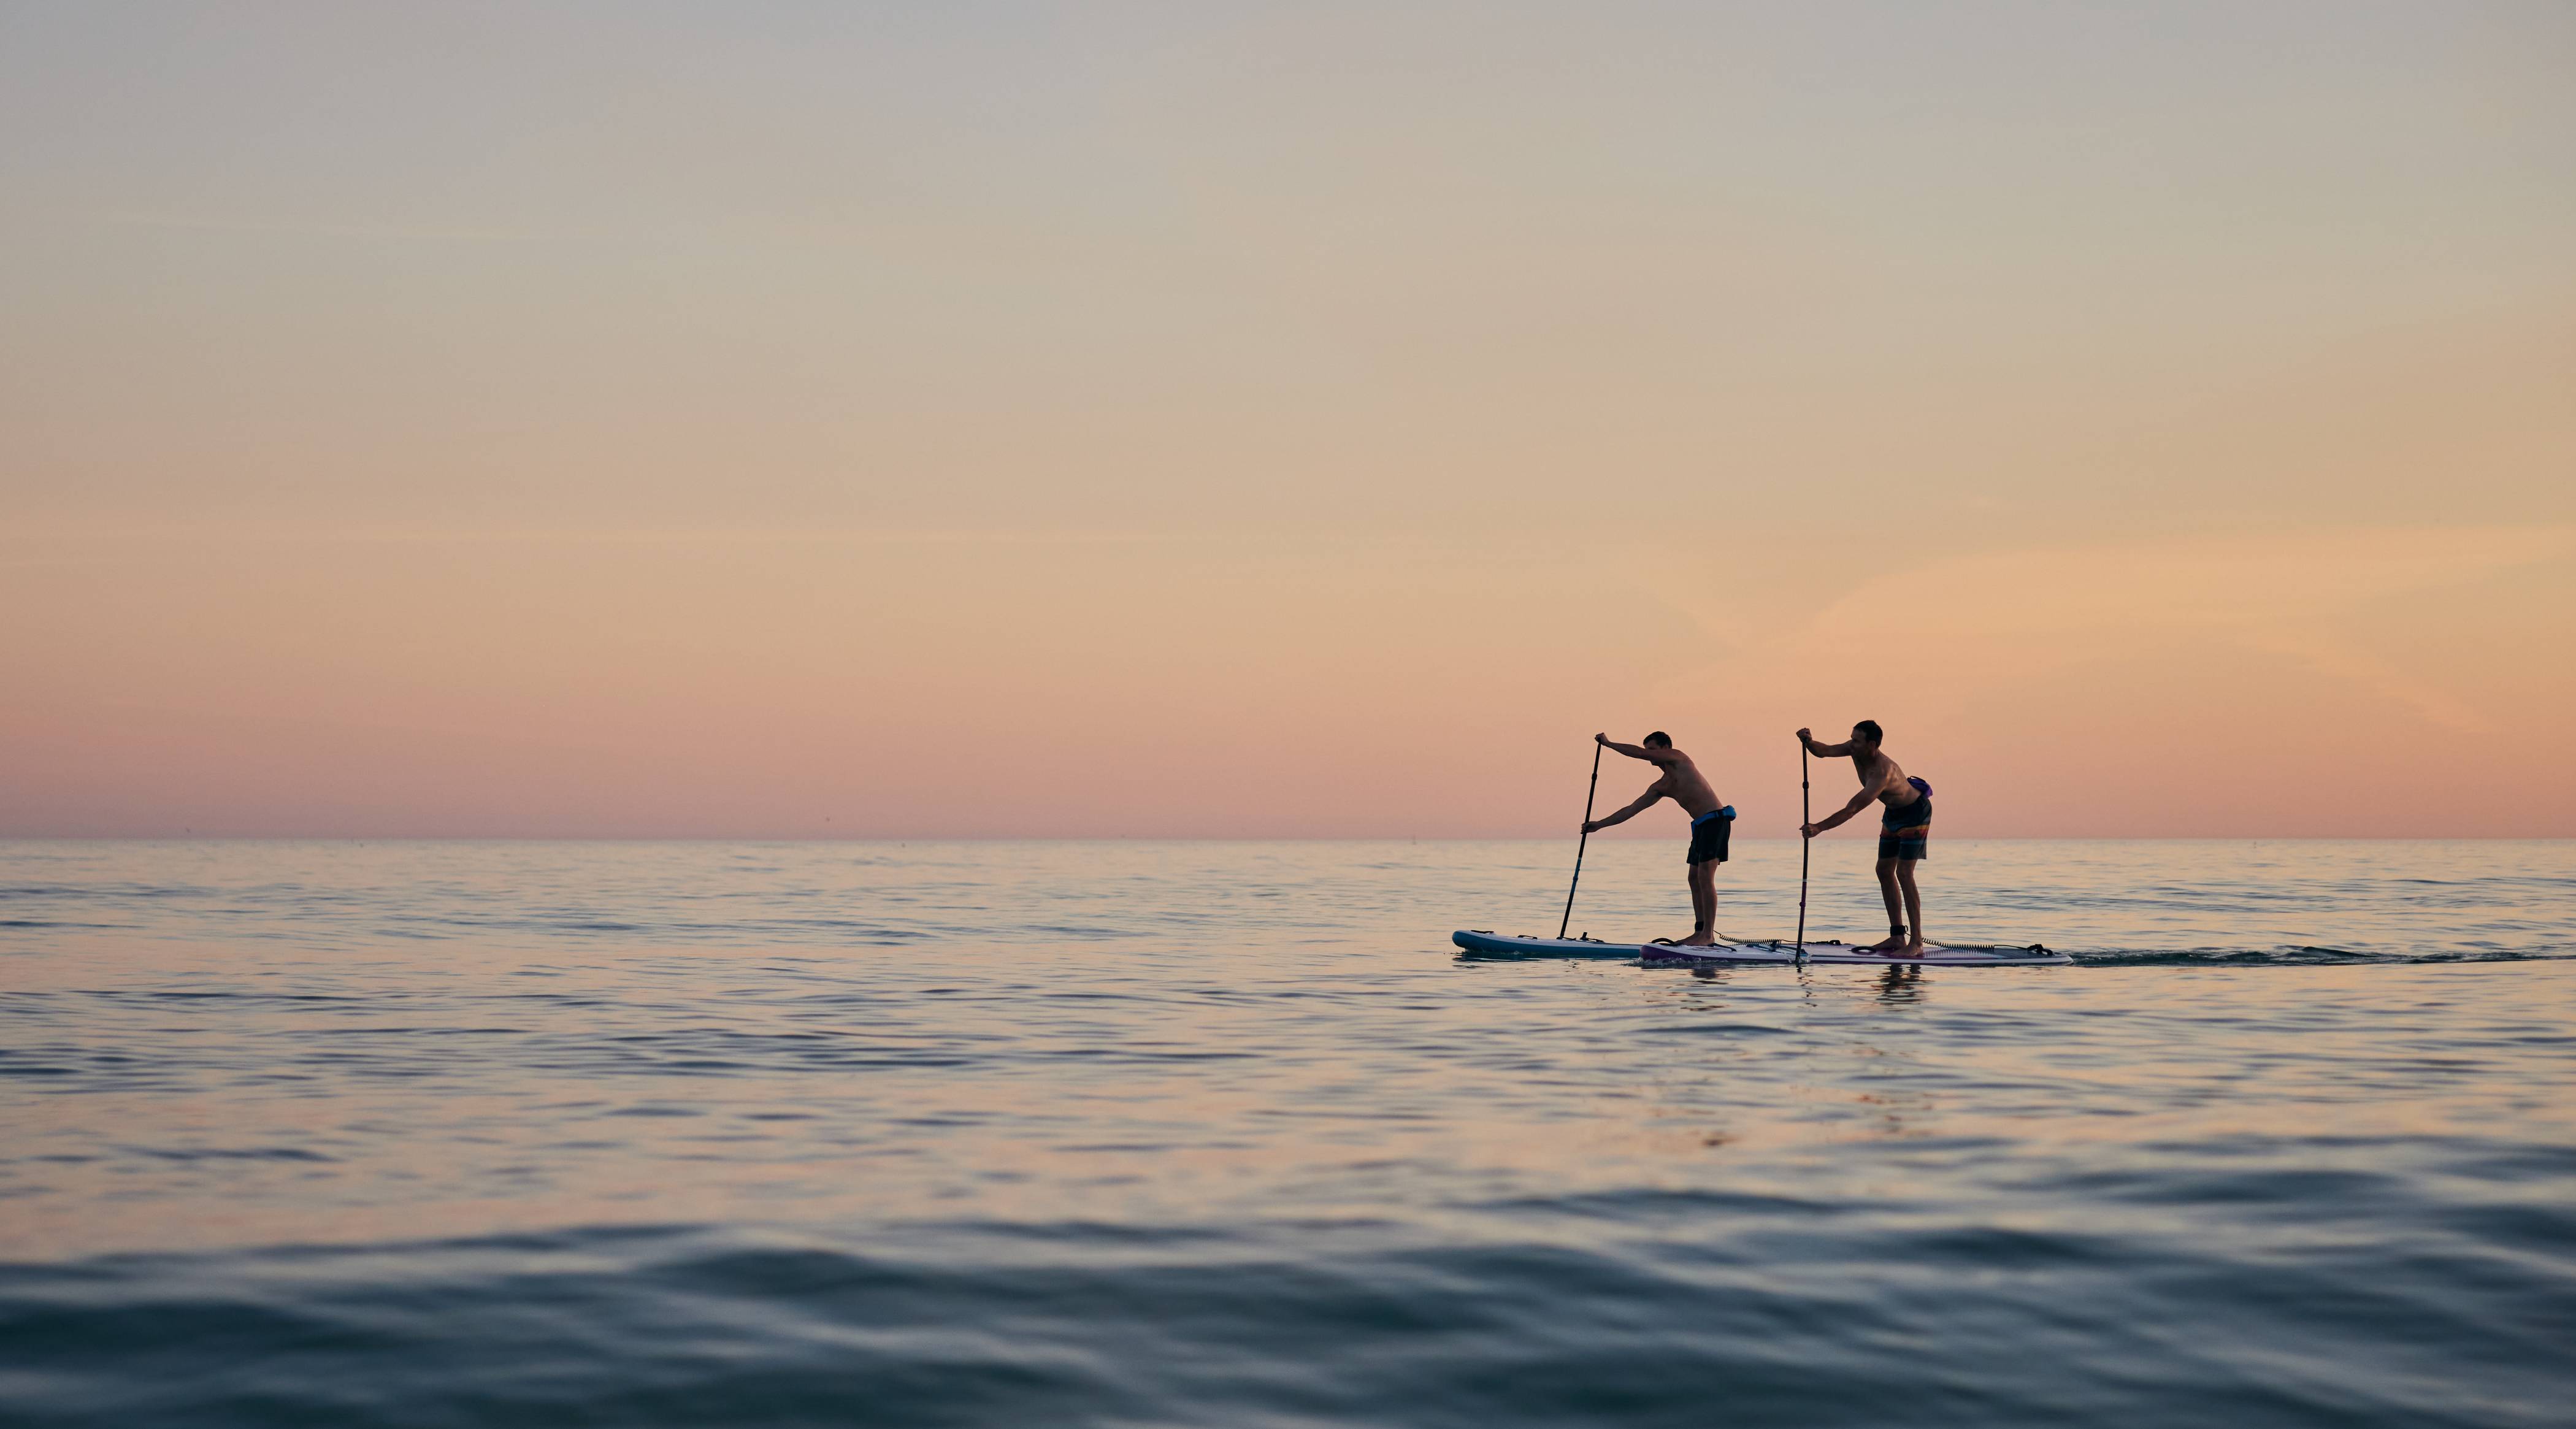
1111	420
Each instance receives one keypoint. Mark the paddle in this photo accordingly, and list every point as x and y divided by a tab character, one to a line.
1562	923
1805	817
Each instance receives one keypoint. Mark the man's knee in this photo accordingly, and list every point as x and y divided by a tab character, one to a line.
1886	870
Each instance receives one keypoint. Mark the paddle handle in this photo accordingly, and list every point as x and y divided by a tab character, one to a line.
1805	817
1568	919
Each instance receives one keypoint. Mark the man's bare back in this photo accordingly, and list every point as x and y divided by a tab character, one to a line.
1884	778
1685	785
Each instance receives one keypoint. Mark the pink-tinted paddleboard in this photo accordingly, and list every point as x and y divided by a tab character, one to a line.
1783	951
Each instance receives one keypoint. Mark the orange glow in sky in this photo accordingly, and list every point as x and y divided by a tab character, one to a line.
803	421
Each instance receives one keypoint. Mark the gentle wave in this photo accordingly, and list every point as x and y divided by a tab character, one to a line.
1768	1312
2312	957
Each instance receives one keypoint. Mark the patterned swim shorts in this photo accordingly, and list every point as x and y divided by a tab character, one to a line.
1906	833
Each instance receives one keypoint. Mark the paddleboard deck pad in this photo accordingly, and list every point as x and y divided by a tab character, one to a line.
1932	956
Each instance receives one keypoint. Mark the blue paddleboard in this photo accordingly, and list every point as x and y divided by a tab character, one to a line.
1478	943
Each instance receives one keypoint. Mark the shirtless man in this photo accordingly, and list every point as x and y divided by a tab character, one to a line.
1904	827
1710	821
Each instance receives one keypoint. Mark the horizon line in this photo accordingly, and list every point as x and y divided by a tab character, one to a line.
189	837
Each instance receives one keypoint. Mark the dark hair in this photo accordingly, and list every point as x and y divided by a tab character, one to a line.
1868	729
1659	737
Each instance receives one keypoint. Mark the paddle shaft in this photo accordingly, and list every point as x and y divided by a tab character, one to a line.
1588	790
1805	817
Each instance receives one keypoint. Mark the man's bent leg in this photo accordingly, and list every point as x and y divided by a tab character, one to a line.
1895	909
1913	905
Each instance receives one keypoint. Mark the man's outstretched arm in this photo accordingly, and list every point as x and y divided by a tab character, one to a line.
1644	801
1633	751
1859	802
1824	751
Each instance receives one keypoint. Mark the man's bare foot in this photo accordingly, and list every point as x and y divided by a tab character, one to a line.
1893	942
1697	940
1914	949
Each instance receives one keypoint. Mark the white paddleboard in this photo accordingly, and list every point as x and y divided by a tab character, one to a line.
1932	956
1478	943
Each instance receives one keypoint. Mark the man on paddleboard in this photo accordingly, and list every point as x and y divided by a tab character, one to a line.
1905	827
1710	821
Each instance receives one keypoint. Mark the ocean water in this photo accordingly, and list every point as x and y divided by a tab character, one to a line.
1225	1134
